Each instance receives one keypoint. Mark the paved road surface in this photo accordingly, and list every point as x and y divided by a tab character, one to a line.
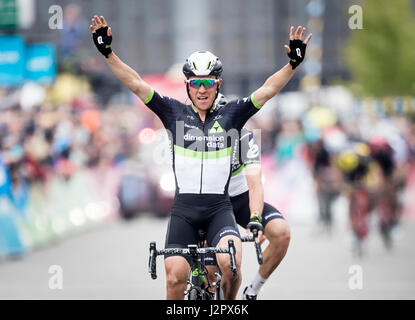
111	263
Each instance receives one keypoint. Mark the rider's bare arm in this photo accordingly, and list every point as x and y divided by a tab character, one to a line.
129	77
253	175
273	85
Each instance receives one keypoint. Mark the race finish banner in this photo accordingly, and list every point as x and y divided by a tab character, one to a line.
41	63
12	60
20	63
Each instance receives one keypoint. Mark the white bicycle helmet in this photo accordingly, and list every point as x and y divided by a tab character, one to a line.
202	63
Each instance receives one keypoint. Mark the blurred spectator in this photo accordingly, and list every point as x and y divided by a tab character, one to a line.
327	181
5	180
74	28
290	142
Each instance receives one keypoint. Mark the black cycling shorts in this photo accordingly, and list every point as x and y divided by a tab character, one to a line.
240	204
190	213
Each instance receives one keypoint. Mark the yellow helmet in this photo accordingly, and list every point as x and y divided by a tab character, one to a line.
347	161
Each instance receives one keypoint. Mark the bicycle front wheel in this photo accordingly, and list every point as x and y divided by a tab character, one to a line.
219	293
194	295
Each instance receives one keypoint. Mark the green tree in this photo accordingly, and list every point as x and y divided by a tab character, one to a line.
381	56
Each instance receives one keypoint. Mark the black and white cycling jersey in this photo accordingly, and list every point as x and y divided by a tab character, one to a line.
202	151
247	152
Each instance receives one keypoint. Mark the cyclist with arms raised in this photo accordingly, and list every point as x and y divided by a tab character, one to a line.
201	150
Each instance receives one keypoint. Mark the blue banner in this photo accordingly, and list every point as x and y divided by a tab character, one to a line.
5	180
12	61
40	63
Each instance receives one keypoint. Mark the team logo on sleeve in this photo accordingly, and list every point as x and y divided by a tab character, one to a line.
244	100
253	151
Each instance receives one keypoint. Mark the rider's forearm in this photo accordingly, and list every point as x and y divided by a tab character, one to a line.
256	200
129	77
274	84
256	192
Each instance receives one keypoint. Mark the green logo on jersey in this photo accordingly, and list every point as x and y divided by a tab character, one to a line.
216	128
195	272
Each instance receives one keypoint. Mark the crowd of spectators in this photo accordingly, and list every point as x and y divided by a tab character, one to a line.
57	140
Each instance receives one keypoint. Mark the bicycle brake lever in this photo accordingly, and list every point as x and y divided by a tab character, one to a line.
152	268
258	247
232	253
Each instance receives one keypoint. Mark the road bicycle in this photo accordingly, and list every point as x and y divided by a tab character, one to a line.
199	286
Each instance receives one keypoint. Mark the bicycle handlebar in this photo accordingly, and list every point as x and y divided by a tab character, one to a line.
254	238
232	252
191	250
152	260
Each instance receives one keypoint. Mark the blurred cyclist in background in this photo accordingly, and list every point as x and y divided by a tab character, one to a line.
385	188
354	164
201	149
327	181
389	173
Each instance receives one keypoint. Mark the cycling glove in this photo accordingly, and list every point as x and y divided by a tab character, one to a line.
297	52
102	41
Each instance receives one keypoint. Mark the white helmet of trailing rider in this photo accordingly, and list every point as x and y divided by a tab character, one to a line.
220	100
